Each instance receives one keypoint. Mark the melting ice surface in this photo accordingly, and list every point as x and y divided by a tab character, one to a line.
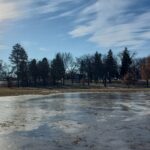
107	121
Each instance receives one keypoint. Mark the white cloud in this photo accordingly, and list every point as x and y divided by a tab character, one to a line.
8	11
17	9
52	6
108	23
113	24
61	15
11	10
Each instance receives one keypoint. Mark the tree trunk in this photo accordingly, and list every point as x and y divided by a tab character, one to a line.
105	82
17	75
83	81
88	82
63	81
35	82
88	79
44	82
72	80
147	83
109	79
17	82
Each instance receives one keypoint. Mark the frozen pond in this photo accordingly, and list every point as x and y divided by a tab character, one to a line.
93	121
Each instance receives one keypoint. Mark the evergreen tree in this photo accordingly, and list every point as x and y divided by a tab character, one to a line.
44	70
19	59
104	74
82	70
85	68
88	68
57	69
33	71
126	61
111	66
23	73
97	67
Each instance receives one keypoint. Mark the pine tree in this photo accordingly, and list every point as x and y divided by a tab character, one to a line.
33	71
57	69
19	59
126	62
97	67
44	70
111	66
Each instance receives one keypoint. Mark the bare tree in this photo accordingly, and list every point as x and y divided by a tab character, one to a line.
72	70
68	63
145	70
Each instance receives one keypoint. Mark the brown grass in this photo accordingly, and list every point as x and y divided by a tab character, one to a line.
42	91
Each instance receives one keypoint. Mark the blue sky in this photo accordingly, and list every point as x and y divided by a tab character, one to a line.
45	27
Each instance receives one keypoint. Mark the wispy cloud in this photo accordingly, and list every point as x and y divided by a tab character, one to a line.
108	23
49	6
8	11
16	9
115	24
12	9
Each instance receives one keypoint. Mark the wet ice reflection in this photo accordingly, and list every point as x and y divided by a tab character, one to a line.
75	121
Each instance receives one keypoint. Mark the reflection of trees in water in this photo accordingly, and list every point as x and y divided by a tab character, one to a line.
83	119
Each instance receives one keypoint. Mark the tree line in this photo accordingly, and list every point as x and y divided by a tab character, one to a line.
87	69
